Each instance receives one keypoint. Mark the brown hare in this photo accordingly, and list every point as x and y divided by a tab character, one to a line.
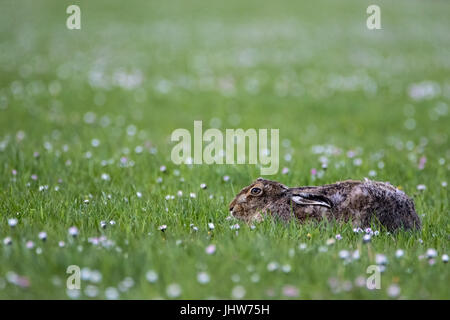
359	202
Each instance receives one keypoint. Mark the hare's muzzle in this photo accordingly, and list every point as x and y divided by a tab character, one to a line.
233	212
236	207
231	206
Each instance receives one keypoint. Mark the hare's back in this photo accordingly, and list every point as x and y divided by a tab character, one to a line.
389	205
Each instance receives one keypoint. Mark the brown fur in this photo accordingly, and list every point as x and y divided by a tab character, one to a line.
360	202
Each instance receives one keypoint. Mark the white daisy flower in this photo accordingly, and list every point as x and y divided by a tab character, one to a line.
203	277
151	276
42	235
238	292
73	231
12	222
173	290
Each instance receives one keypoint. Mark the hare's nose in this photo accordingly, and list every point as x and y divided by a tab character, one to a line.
232	211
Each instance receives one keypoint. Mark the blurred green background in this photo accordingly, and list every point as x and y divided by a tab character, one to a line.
301	67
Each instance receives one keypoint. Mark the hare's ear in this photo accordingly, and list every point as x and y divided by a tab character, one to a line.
309	199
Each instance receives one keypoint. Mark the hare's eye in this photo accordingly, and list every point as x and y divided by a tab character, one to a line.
255	191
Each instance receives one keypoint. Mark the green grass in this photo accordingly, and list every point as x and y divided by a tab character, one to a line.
312	70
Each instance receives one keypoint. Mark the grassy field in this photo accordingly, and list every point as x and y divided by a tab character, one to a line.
85	123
